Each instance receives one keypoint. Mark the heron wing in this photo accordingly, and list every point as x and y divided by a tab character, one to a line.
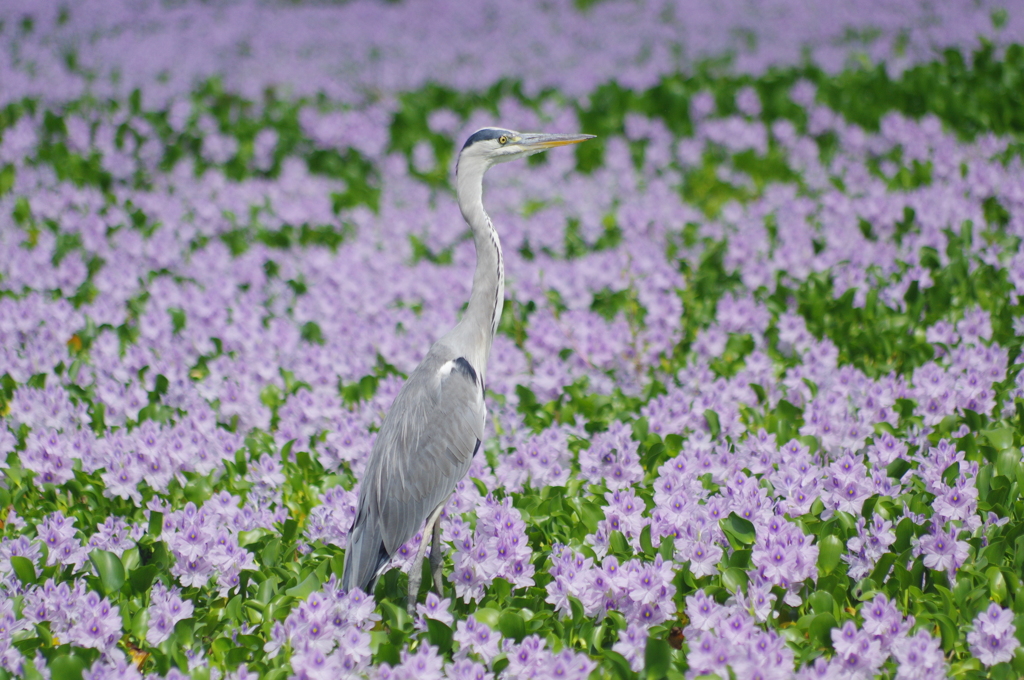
426	444
424	448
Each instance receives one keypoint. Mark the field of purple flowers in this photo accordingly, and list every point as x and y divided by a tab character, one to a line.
755	404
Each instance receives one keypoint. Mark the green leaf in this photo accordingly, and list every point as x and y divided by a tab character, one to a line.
645	542
6	179
266	591
996	584
1001	438
821	602
512	625
897	468
440	635
24	569
301	591
830	552
67	667
821	629
948	629
140	623
142	578
881	570
673	444
619	665
271	552
109	567
657	658
488	616
738	530
714	426
290	529
619	545
578	612
1007	461
734	579
156	524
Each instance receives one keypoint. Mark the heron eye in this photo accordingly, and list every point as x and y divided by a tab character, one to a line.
502	139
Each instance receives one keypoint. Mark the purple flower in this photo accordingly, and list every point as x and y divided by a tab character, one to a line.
58	533
315	664
434	608
709	654
612	457
993	638
425	664
467	669
920	657
108	668
530	659
942	550
748	103
859	652
631	644
166	609
787	557
75	614
704	558
758	600
477	638
497	549
959	502
45	454
867	547
883	621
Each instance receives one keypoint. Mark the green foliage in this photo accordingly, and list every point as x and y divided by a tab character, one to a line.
983	94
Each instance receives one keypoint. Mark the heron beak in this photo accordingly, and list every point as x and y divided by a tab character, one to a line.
532	141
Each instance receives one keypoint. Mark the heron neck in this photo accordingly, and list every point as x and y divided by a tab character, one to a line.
480	322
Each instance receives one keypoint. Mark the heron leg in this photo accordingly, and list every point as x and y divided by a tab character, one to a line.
436	559
416	575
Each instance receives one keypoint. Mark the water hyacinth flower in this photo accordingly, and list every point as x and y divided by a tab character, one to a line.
204	541
867	547
435	608
919	657
786	557
642	592
612	458
858	653
467	669
330	521
942	549
57	532
45	455
327	633
624	513
531	659
541	460
155	292
992	638
166	609
497	549
76	615
476	638
10	658
631	644
724	637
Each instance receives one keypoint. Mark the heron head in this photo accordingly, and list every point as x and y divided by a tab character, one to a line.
489	146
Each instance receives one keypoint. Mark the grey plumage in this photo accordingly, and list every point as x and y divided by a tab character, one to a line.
436	424
425	448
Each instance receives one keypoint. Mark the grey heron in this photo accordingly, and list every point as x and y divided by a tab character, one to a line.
435	426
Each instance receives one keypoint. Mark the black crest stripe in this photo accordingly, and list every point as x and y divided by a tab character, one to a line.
481	135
